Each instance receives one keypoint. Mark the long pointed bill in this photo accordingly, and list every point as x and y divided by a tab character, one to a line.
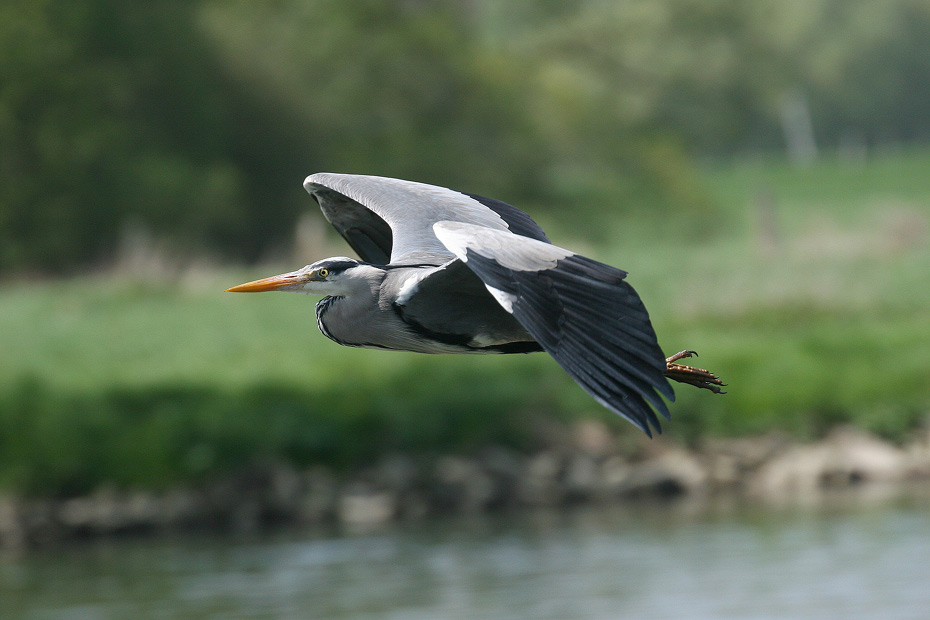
269	284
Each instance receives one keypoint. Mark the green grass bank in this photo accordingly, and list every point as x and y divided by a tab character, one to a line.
807	290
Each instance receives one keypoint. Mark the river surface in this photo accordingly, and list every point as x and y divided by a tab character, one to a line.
846	561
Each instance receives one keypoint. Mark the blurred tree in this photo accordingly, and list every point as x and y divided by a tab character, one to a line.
384	87
115	111
198	119
430	91
715	73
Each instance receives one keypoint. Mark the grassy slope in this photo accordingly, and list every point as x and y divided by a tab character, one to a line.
818	318
830	322
148	384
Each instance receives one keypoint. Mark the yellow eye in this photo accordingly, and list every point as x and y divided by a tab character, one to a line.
323	273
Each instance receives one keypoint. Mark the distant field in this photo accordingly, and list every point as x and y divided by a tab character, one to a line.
807	290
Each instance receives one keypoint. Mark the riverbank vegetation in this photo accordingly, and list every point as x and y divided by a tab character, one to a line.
759	168
803	287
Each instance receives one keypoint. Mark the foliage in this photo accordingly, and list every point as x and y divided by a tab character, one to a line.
197	120
115	112
815	314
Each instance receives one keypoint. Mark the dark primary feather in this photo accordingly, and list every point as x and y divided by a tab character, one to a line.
519	222
594	325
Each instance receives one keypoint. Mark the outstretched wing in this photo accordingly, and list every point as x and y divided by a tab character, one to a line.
582	312
391	221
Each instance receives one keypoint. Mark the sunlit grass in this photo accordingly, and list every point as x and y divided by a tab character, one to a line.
807	291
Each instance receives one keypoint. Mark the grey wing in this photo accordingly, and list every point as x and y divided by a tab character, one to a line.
582	312
391	221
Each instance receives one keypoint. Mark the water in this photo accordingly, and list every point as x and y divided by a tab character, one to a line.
654	561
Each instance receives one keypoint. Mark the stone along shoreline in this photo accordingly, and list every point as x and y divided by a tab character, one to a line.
586	465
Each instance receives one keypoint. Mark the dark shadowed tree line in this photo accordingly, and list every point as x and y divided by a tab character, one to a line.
198	120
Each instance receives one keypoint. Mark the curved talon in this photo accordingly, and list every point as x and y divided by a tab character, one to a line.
681	355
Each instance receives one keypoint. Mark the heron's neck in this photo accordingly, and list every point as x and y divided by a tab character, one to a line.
347	315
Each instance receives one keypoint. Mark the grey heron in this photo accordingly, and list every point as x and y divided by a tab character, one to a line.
443	271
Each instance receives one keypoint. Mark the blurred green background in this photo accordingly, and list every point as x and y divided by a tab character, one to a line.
761	169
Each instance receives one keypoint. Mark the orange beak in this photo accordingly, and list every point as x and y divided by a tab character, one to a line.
269	284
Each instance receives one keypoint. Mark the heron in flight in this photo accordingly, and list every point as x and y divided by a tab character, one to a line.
443	271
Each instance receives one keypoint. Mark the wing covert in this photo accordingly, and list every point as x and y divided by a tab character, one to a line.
391	220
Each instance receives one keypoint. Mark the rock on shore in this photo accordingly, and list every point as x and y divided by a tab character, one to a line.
588	465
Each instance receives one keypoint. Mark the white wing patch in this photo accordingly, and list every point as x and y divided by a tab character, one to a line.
504	298
410	287
507	249
486	340
412	284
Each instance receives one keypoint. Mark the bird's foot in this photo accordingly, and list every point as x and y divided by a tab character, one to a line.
698	377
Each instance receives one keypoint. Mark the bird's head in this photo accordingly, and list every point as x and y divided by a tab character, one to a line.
336	276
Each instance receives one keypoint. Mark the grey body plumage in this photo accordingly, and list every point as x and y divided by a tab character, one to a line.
422	308
448	272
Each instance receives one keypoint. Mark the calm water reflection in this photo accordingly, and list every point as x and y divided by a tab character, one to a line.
671	561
